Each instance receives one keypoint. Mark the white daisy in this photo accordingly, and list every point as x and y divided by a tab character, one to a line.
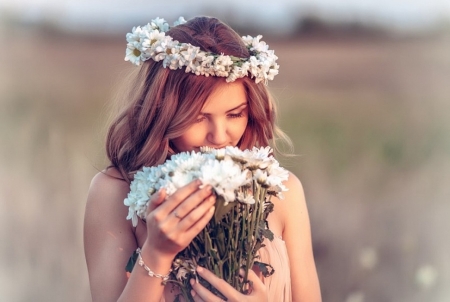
180	20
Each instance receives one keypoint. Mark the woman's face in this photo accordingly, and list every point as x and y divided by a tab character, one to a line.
221	122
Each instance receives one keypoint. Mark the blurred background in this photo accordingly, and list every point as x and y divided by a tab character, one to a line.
363	91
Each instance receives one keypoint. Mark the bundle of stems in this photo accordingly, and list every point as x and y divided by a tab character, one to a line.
228	245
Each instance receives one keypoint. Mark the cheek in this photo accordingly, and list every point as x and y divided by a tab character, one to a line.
195	136
186	141
239	128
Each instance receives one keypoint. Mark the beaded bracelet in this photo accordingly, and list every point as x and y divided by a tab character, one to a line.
140	261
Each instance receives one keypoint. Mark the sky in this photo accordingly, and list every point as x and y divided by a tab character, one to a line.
276	15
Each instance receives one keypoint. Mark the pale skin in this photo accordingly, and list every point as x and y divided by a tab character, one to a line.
110	239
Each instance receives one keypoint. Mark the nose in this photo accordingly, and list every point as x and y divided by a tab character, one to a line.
218	134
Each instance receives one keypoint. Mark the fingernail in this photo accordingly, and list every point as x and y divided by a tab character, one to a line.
192	281
198	182
199	269
211	210
193	293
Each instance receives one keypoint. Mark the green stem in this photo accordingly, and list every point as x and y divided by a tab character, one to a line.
251	234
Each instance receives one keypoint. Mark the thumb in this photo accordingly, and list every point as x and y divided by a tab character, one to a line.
156	200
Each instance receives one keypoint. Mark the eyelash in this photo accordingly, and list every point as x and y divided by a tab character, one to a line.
231	115
236	115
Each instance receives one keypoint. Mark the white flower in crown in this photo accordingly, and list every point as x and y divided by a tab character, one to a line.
150	37
248	40
158	51
133	54
150	42
135	35
160	24
222	65
272	74
206	60
254	65
190	57
180	20
255	44
174	61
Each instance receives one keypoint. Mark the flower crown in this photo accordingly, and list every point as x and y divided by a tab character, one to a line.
151	42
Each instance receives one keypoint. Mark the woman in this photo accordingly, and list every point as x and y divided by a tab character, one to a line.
182	100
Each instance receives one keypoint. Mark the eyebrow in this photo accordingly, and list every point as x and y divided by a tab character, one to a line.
232	109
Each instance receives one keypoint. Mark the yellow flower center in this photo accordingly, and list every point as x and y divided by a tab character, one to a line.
136	52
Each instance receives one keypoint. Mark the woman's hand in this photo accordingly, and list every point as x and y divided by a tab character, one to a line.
173	221
201	294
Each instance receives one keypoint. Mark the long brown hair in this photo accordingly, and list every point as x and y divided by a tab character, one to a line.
162	103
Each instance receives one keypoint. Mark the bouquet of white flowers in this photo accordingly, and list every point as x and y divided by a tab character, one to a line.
243	181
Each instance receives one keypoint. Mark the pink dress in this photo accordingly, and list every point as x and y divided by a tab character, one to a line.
279	284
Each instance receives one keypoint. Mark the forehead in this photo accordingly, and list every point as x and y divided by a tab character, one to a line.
225	97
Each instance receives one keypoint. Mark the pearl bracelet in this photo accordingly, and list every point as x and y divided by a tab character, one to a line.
140	261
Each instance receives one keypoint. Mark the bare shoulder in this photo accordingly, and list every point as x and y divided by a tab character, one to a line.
294	186
106	194
104	205
293	199
294	204
295	195
110	181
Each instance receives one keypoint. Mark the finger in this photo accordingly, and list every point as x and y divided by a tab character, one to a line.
156	200
221	285
200	224
189	220
258	284
179	196
202	293
192	202
189	234
196	297
254	283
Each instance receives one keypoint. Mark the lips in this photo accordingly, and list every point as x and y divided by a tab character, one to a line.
214	147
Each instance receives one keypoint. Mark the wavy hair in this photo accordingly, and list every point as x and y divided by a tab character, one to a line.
162	104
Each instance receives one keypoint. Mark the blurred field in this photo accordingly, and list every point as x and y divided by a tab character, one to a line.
370	122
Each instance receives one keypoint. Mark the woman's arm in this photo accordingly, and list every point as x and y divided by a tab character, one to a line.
108	237
110	240
297	235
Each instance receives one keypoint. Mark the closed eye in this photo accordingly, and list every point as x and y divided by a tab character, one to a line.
200	119
236	115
